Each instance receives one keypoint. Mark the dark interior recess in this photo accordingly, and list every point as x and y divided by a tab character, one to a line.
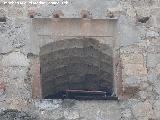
77	69
2	19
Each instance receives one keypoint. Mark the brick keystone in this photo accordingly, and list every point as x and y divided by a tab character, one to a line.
31	13
2	88
86	14
57	14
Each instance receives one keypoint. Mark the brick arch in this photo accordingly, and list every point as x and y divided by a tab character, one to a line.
76	64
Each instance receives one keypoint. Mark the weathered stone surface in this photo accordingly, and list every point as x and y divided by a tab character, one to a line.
22	91
144	85
155	17
143	95
153	59
156	87
138	41
99	110
15	59
19	73
126	114
128	34
135	69
2	89
143	109
133	81
48	104
12	114
71	114
157	108
8	45
154	49
134	48
152	34
132	59
2	13
52	114
158	69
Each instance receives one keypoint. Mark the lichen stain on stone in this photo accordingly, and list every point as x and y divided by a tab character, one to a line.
13	114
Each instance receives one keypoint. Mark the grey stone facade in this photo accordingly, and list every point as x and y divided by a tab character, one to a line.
138	34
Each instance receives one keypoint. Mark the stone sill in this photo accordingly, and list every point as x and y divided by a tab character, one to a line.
107	18
82	98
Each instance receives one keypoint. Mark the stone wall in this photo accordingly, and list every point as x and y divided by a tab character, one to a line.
139	36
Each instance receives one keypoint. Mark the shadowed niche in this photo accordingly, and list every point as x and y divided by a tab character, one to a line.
73	68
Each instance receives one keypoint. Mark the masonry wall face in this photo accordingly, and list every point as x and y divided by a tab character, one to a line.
138	33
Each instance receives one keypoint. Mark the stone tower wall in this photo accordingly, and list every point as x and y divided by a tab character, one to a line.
139	46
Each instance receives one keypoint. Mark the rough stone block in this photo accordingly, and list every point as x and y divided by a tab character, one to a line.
18	90
154	41
5	45
152	75
47	104
15	59
133	81
143	109
49	109
71	114
153	59
155	12
143	95
144	85
135	69
2	13
157	69
151	33
153	49
11	114
18	73
126	114
134	49
132	59
156	87
102	110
